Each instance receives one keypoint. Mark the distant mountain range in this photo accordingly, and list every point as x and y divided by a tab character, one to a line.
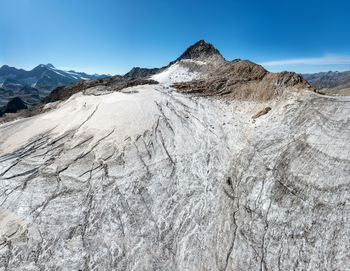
331	82
32	86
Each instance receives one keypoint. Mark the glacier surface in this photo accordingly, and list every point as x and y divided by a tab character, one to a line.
150	179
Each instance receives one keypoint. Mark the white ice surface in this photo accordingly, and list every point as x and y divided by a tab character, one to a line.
176	73
116	112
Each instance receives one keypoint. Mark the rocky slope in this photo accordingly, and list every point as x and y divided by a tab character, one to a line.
150	178
243	80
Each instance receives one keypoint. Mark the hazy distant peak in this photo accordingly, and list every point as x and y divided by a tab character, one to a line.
49	65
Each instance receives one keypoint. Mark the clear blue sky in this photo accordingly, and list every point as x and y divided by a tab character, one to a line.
106	36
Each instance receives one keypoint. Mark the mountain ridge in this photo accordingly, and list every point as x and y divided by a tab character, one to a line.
210	74
333	82
203	57
42	78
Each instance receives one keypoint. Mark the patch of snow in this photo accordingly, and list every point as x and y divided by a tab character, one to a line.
177	72
74	75
71	74
59	73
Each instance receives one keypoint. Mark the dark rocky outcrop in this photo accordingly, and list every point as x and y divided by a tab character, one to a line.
138	72
201	50
13	106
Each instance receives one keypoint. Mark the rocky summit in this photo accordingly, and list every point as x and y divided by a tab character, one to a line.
201	51
204	164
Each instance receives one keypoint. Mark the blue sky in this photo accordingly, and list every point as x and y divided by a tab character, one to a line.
106	36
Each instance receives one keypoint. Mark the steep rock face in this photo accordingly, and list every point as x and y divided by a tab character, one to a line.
147	178
201	50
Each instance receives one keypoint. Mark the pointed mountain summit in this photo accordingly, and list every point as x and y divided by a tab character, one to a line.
201	50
